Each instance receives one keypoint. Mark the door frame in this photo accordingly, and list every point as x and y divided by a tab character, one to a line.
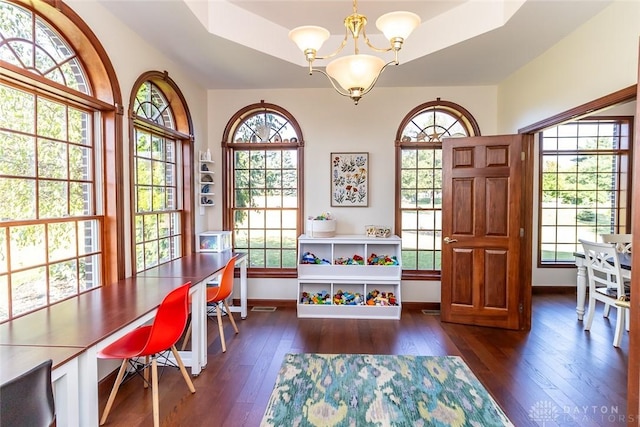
627	94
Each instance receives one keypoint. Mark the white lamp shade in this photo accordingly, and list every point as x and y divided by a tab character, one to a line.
398	24
355	71
309	37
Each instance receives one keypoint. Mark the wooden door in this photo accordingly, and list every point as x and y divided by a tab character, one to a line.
481	228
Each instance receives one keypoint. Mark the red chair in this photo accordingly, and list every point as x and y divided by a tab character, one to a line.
217	295
150	340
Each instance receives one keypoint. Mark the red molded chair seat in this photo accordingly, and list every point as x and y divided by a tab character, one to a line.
149	340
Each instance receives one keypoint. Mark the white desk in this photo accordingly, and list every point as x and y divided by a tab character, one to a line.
202	268
581	280
18	359
80	326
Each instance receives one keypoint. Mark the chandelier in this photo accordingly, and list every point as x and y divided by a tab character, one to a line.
355	75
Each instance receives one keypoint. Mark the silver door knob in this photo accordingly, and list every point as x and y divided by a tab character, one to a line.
450	240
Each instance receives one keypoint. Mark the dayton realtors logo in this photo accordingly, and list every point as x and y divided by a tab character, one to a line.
548	413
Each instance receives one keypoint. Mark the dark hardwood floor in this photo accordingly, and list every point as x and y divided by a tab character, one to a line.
555	375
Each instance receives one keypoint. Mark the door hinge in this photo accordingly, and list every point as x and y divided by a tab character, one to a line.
522	156
520	308
522	232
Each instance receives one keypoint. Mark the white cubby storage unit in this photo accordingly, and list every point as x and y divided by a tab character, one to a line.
362	279
205	180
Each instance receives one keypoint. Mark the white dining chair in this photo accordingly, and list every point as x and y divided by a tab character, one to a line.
605	283
622	241
623	245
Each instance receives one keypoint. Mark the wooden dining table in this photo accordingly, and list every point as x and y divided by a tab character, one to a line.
581	279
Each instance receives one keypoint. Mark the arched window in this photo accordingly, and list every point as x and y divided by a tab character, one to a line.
160	179
419	183
53	133
263	197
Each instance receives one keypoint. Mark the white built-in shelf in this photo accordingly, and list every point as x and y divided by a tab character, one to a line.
355	279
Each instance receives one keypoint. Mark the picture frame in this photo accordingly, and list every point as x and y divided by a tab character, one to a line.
349	179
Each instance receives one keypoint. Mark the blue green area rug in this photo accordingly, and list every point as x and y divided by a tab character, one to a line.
378	390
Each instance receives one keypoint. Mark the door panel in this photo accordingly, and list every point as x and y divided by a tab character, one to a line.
481	251
462	203
463	276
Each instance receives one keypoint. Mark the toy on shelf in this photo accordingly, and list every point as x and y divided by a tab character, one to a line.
382	260
377	231
347	298
322	297
356	260
309	258
324	216
377	298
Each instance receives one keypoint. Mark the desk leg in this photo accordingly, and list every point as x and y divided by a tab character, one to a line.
88	387
196	357
199	328
582	289
65	380
243	288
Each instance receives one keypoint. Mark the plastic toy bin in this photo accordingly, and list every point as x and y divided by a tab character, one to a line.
214	241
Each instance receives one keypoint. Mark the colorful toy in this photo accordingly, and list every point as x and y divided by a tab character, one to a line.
309	258
378	298
344	298
392	299
356	260
322	297
322	216
305	298
382	260
357	300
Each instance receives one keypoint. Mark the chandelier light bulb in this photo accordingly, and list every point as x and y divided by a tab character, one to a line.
397	24
309	37
355	75
355	71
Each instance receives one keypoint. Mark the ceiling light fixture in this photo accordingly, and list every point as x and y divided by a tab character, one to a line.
356	74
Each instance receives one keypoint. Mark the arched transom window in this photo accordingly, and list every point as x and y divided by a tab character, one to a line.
29	42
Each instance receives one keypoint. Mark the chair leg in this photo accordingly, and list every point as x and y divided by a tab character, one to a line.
620	322
233	322
220	328
114	391
185	374
591	309
145	373
154	391
605	311
626	321
187	335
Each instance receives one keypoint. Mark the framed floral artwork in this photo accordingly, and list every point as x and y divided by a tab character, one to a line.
349	179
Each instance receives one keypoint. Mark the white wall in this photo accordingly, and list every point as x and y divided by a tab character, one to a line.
131	57
331	123
597	59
